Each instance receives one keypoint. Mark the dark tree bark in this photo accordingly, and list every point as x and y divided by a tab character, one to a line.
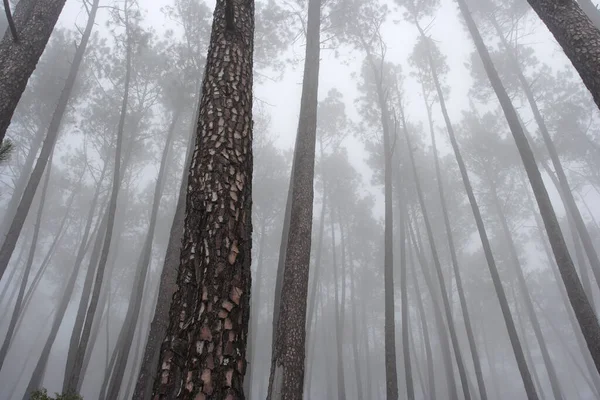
43	18
577	35
167	286
34	21
73	376
204	353
287	364
579	301
135	301
30	257
438	268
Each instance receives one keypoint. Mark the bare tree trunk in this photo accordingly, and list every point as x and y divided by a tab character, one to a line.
438	316
210	310
74	376
579	301
287	366
438	267
34	242
34	21
431	394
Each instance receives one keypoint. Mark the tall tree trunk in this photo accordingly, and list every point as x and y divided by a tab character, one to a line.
577	35
287	365
410	390
168	284
438	268
452	248
135	300
339	331
210	311
34	242
579	301
74	375
43	18
437	313
526	297
563	184
34	21
355	348
431	394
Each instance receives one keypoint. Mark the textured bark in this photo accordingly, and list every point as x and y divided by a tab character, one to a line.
167	287
590	9
135	300
204	353
73	376
34	20
437	312
563	184
18	305
526	297
438	268
579	301
578	37
44	13
286	379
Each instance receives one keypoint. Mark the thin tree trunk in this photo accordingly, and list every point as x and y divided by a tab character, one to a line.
438	267
563	183
579	301
355	349
74	376
30	258
454	258
34	21
526	297
438	316
577	35
135	300
214	273
287	366
43	19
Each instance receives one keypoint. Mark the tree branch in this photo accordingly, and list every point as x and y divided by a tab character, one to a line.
11	22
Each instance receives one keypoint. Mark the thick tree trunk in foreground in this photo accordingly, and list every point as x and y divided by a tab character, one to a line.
438	268
287	364
48	8
578	37
15	314
579	301
34	21
204	353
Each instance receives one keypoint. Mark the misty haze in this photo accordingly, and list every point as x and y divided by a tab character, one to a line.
299	199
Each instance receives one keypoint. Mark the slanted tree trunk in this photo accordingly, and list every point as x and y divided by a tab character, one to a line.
73	377
167	285
34	242
438	268
577	35
43	18
579	301
286	379
135	300
526	297
209	315
563	184
437	313
34	21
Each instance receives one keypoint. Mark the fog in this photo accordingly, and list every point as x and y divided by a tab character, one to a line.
157	210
